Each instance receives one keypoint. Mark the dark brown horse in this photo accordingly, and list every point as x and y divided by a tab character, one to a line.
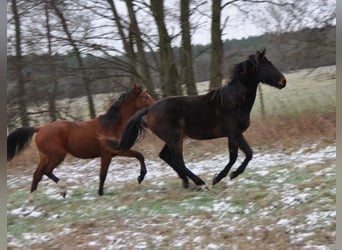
81	139
223	112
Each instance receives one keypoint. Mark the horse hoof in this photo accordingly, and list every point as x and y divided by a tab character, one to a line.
140	179
233	175
32	198
205	187
185	184
215	180
63	194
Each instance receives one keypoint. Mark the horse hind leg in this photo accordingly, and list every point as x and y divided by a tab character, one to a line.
37	176
175	157
61	184
166	155
177	153
53	163
46	166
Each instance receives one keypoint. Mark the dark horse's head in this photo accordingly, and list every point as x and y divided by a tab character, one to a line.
265	71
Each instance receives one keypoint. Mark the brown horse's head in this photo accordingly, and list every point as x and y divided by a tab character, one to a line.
142	98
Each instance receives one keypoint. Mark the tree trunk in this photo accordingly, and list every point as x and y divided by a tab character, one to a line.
53	71
142	60
216	46
168	69
187	74
126	43
20	83
79	59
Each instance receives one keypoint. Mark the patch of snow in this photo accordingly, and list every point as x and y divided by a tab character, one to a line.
220	206
262	172
212	246
283	222
219	210
294	200
27	210
37	237
198	239
296	238
94	243
315	217
141	245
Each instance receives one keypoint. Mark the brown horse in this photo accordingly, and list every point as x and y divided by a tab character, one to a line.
81	139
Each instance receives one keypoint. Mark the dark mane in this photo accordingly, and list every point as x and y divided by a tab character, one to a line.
112	115
233	93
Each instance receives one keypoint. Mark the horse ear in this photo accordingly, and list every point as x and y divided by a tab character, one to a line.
137	88
262	53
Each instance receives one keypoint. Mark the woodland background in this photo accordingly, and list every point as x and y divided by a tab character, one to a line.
60	49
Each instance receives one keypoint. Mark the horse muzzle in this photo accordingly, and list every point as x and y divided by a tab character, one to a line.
281	82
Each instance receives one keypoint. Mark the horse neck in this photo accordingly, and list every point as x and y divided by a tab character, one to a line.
116	117
250	95
126	112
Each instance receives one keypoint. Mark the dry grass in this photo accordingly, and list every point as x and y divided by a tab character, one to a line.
293	131
280	133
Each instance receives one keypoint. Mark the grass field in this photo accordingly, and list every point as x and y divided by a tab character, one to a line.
284	200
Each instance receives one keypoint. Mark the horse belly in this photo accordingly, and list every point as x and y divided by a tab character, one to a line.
205	134
84	150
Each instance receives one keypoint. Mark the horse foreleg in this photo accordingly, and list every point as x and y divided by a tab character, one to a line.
139	156
105	161
243	145
233	153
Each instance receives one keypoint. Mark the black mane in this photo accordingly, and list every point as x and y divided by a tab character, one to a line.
233	93
112	115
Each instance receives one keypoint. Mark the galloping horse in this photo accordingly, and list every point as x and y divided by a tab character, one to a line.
81	139
223	112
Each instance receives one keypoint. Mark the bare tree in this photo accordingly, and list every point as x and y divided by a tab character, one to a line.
187	71
216	46
53	71
20	83
168	70
77	53
127	44
142	59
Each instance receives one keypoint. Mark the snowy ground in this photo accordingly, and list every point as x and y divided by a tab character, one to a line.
282	201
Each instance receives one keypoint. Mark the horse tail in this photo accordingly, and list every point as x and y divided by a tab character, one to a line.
133	129
18	140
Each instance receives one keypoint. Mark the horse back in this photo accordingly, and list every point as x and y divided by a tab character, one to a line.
77	138
196	117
